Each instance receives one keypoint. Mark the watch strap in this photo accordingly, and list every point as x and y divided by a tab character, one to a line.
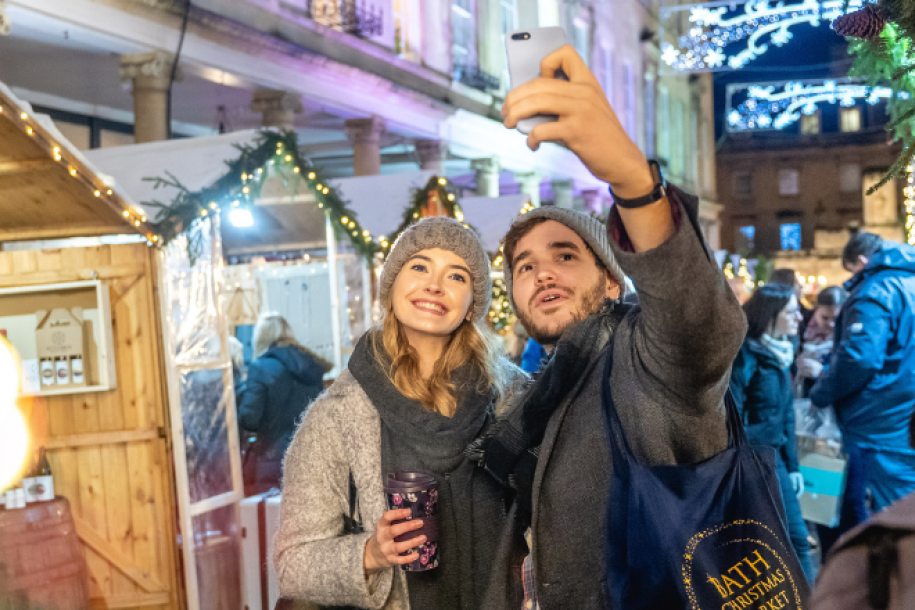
657	193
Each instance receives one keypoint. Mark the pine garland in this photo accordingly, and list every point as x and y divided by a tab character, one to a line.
889	60
439	187
240	187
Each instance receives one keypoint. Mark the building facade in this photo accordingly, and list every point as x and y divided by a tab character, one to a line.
797	194
370	85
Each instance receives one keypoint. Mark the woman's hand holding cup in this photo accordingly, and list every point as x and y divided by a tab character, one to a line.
382	551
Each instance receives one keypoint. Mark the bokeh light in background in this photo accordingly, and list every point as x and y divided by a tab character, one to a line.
14	435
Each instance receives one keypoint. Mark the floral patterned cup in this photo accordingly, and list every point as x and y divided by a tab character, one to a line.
417	491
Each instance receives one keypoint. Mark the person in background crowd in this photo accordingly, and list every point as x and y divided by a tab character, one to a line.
764	393
789	278
282	381
869	379
415	393
533	356
817	336
515	343
237	353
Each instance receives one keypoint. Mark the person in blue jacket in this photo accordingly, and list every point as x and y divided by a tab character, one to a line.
533	356
282	381
870	379
764	393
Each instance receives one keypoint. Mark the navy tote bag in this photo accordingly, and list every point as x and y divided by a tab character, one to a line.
703	536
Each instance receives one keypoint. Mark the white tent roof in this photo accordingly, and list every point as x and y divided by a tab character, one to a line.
379	201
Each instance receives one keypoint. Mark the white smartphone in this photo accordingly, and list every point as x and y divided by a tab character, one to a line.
526	49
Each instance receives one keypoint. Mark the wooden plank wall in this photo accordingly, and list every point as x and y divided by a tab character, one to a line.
110	451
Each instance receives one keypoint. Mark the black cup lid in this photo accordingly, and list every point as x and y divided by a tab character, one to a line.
402	481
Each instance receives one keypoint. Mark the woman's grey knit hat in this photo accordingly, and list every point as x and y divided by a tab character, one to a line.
447	234
590	229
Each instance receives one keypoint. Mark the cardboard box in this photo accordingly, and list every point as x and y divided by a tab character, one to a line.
60	341
824	488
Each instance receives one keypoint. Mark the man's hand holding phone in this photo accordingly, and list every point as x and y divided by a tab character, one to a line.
587	123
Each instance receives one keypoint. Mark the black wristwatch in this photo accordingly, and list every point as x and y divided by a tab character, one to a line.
658	193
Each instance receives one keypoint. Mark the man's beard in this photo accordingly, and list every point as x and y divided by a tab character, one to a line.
592	300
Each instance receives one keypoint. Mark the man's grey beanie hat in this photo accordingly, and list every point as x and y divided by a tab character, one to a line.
591	230
447	234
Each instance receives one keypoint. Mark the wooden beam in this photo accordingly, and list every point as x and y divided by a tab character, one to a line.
24	167
71	275
118	559
101	438
126	600
63	232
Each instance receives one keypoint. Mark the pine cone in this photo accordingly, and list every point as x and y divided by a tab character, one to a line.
866	23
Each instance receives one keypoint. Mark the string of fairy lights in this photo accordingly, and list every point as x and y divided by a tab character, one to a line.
75	168
909	192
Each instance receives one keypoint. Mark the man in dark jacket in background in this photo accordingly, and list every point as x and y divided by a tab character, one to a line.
672	355
282	382
870	379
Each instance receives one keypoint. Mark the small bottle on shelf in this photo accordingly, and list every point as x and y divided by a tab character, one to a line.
44	479
28	485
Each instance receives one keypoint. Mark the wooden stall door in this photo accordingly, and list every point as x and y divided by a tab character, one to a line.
109	451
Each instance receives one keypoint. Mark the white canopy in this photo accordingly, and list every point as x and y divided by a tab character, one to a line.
379	201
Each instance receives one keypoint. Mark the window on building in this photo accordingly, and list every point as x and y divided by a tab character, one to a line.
743	184
850	120
790	236
548	13
678	150
463	24
788	182
650	133
406	29
810	123
746	238
605	71
509	15
850	178
664	123
581	37
629	95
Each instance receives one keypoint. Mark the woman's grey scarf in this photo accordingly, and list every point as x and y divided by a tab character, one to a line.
470	502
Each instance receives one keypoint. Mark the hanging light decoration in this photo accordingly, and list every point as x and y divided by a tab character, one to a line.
776	105
728	36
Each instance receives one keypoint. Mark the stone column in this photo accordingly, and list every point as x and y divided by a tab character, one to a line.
487	170
278	108
563	194
365	136
530	185
431	155
149	74
593	201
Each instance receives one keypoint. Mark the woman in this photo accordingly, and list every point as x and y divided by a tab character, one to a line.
819	335
416	392
282	381
763	390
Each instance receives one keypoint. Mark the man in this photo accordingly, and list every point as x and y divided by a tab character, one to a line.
870	379
672	354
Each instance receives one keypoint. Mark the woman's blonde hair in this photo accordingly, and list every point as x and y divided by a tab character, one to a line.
473	342
271	330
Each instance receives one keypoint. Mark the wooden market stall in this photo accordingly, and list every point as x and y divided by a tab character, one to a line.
107	438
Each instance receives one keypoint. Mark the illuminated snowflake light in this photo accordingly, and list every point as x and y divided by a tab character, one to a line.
746	28
768	106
